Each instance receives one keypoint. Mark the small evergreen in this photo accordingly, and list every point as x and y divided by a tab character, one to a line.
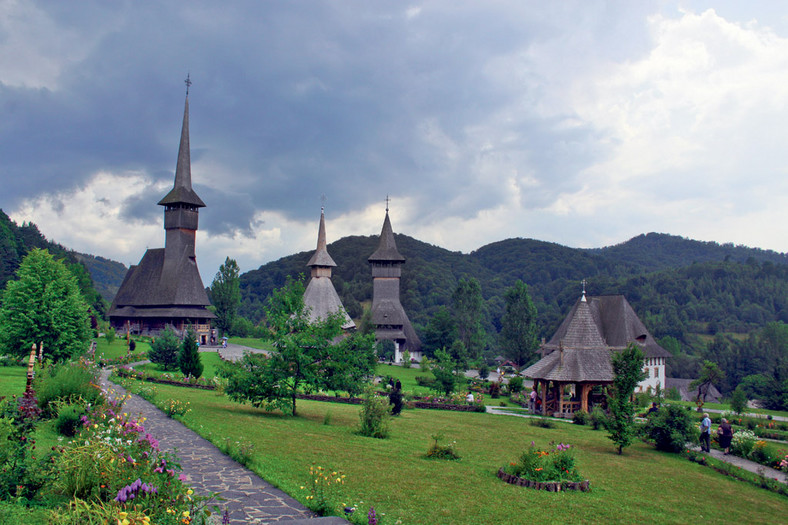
189	356
164	349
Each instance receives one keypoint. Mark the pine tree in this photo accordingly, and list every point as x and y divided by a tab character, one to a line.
519	340
189	356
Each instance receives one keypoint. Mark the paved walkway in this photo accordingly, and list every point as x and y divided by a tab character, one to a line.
235	352
742	463
247	497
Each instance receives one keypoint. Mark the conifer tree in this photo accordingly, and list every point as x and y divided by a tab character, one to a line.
189	356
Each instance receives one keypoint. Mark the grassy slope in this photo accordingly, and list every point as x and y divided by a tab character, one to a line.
641	486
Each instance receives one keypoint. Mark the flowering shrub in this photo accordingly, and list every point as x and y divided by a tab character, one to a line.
784	464
322	486
439	451
113	461
174	407
742	443
555	464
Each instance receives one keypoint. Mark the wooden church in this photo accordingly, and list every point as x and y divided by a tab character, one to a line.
320	296
165	288
389	317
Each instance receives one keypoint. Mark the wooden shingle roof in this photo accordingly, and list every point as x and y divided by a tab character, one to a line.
182	192
387	249
581	348
321	256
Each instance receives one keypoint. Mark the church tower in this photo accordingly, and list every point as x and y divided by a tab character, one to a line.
165	288
389	317
320	296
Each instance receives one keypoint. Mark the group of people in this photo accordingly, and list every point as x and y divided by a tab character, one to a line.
724	434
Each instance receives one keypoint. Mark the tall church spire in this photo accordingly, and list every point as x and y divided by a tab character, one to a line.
182	192
321	256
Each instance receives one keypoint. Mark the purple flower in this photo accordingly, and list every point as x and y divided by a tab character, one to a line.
372	518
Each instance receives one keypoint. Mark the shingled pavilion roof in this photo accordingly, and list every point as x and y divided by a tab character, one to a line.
580	350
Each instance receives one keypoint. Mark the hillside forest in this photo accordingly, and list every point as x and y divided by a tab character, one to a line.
701	300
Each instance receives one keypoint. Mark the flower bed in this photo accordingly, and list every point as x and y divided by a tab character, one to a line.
190	382
550	469
549	486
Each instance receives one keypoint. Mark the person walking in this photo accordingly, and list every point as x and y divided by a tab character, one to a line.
705	433
725	434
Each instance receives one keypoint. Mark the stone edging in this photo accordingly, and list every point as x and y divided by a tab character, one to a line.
549	486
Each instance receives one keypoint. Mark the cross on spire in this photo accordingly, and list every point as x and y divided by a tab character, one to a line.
387	203
322	202
584	289
188	83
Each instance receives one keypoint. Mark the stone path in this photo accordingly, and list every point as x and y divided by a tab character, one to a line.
247	497
235	352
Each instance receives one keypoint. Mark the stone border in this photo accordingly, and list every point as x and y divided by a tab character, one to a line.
549	486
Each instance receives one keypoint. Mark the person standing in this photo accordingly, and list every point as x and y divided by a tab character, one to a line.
705	433
533	400
725	433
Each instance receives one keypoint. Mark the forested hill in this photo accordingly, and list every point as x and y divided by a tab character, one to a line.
106	273
657	251
689	288
16	241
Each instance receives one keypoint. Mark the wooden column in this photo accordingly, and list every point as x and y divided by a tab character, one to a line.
584	397
544	397
560	404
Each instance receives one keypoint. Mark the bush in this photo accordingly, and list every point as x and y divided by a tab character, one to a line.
164	349
516	384
597	418
670	428
542	423
739	401
580	417
429	382
742	443
557	464
484	371
673	394
374	416
132	345
495	390
439	451
68	420
66	383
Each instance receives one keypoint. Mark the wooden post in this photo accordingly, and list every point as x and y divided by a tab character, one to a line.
30	368
41	352
561	399
544	397
584	397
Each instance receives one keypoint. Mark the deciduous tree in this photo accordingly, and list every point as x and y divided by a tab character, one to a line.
519	340
305	356
226	295
468	309
628	370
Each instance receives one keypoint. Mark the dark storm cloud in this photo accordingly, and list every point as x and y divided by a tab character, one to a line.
353	100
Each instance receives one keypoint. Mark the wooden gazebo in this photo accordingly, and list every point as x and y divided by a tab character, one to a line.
580	351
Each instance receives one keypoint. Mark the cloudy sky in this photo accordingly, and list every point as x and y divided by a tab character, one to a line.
583	123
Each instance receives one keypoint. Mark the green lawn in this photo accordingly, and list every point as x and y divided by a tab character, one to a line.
251	342
643	485
210	362
119	348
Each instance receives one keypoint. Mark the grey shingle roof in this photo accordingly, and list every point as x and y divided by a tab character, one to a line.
182	192
606	321
154	283
588	364
593	329
387	249
322	300
321	256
